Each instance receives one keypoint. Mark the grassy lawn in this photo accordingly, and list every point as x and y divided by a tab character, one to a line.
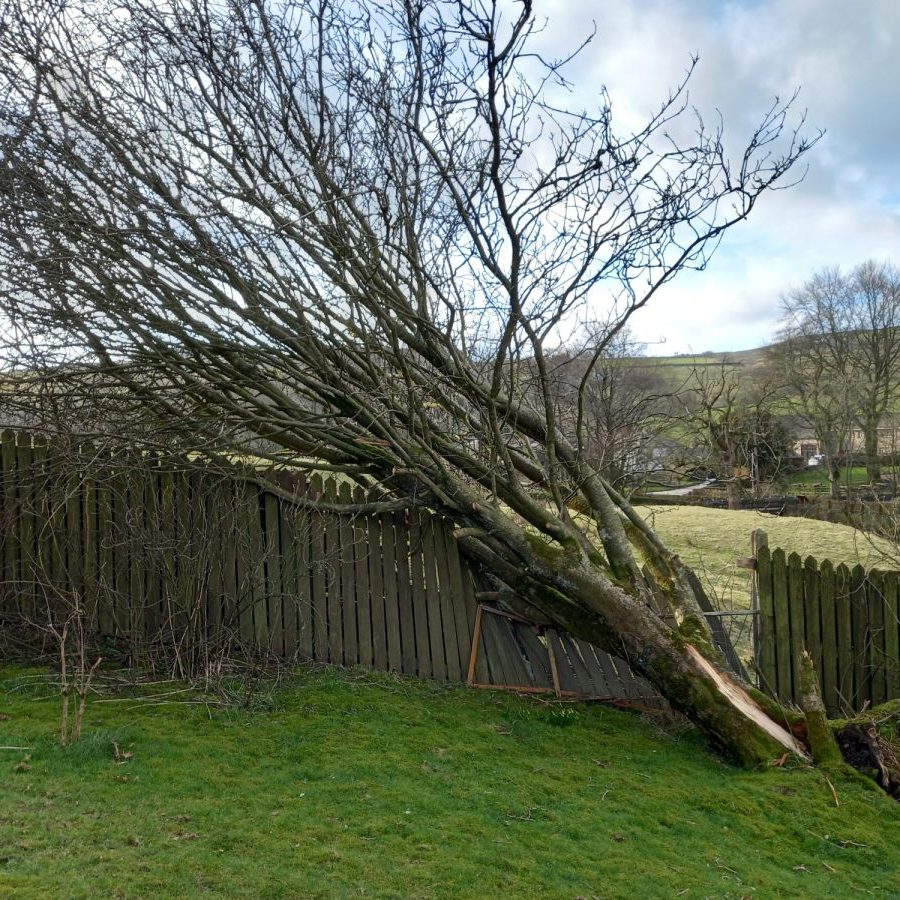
340	784
710	540
818	475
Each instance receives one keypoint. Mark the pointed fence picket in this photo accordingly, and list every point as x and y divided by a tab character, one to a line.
847	618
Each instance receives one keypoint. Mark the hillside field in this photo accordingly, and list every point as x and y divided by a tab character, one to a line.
710	540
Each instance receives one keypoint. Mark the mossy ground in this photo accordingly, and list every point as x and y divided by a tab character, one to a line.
338	784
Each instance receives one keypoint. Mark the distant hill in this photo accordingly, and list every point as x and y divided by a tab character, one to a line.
676	369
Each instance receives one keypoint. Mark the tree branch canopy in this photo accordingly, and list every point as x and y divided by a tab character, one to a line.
357	234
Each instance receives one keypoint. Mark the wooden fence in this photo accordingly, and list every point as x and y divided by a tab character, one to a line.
166	554
848	619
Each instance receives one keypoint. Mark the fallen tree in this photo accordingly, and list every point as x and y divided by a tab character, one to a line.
356	237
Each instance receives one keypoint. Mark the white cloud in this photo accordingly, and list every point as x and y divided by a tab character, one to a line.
846	60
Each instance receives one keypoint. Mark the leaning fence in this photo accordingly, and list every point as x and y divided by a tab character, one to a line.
164	555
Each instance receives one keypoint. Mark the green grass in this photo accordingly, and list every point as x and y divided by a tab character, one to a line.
818	475
348	785
710	540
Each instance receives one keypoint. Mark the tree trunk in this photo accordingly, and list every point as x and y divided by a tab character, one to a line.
580	598
733	484
733	493
870	442
834	478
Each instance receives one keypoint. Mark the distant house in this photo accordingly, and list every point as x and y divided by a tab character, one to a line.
806	445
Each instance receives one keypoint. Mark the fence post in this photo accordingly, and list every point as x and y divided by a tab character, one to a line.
759	540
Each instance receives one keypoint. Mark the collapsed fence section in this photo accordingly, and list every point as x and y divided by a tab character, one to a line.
847	618
171	558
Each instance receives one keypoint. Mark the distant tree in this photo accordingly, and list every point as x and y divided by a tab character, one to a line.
727	411
624	404
840	352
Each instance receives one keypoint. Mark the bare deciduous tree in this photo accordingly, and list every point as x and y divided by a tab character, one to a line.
727	410
840	353
338	231
625	405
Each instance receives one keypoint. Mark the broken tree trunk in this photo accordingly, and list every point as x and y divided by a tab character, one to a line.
579	597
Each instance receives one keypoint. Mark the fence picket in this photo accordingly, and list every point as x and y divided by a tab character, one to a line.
876	658
10	577
26	599
860	639
376	580
785	687
892	633
795	608
419	600
435	626
404	594
359	533
318	564
273	556
765	639
347	593
391	609
812	613
828	590
844	616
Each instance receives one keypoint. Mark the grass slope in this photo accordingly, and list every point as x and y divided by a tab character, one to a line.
340	784
710	540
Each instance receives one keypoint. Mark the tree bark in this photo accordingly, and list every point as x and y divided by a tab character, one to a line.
581	599
870	443
733	493
834	478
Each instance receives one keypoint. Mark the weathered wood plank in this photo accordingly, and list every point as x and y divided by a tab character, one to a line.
302	527
360	537
231	585
496	652
105	562
214	505
892	634
828	605
391	593
812	613
27	595
798	626
333	578
273	556
10	577
579	666
348	582
782	626
455	667
844	616
876	657
376	580
318	564
765	643
135	538
404	594
861	639
419	597
537	656
456	596
433	600
567	678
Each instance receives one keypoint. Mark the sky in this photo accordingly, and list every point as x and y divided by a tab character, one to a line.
845	59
